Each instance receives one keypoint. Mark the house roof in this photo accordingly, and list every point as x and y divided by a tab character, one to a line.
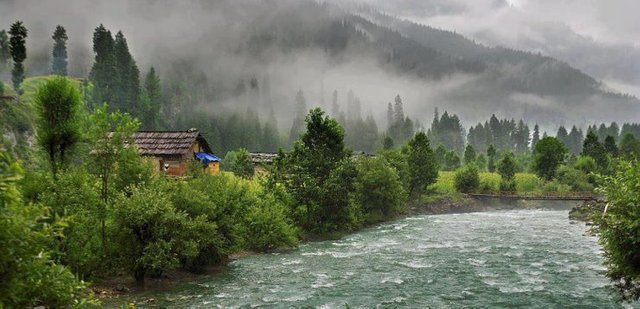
168	142
261	157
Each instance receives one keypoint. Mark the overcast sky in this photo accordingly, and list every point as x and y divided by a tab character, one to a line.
600	37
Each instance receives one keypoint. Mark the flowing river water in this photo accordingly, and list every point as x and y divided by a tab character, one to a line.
514	258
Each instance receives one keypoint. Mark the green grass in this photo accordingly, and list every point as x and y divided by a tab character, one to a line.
526	183
30	85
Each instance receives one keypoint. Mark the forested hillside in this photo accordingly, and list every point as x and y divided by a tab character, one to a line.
250	71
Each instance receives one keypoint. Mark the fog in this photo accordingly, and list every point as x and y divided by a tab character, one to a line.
183	39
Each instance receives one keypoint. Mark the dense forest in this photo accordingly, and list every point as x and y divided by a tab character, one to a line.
80	204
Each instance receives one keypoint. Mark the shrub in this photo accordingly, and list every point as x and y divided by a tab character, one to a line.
239	162
467	179
528	183
573	178
152	236
619	229
30	276
378	190
555	187
268	226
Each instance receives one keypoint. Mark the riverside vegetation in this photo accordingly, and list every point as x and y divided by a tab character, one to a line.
87	206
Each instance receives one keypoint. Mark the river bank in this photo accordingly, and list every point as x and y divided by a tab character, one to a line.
123	286
531	258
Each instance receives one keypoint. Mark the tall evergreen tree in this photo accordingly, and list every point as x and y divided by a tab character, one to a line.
610	146
563	136
59	53
398	110
152	101
575	140
18	48
5	50
270	135
103	71
422	163
469	154
298	120
491	155
127	78
629	146
593	148
536	136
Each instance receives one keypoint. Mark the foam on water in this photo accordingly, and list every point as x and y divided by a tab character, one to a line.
523	258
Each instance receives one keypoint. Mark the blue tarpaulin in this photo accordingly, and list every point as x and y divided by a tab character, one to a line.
206	158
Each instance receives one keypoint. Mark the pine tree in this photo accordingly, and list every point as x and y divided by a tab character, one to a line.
469	154
491	155
575	140
422	163
593	148
388	143
152	101
298	120
610	146
536	136
128	78
389	115
18	49
103	71
563	136
59	63
5	50
270	137
398	112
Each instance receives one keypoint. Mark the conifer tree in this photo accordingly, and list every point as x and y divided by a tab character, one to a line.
5	50
270	135
298	120
610	146
422	163
593	148
59	63
103	71
152	101
469	154
18	48
491	155
536	136
128	78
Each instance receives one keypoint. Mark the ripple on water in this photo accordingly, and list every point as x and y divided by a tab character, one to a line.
495	259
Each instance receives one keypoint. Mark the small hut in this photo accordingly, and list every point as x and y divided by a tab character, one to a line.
171	150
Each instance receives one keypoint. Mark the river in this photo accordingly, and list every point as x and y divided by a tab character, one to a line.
529	258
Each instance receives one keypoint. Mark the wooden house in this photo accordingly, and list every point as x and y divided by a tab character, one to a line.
262	161
172	150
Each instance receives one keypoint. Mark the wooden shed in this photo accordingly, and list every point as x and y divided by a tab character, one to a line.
172	150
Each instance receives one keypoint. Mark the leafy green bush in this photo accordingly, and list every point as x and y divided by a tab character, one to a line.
467	179
577	180
489	182
152	236
378	190
30	277
268	226
555	187
528	183
239	162
619	229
